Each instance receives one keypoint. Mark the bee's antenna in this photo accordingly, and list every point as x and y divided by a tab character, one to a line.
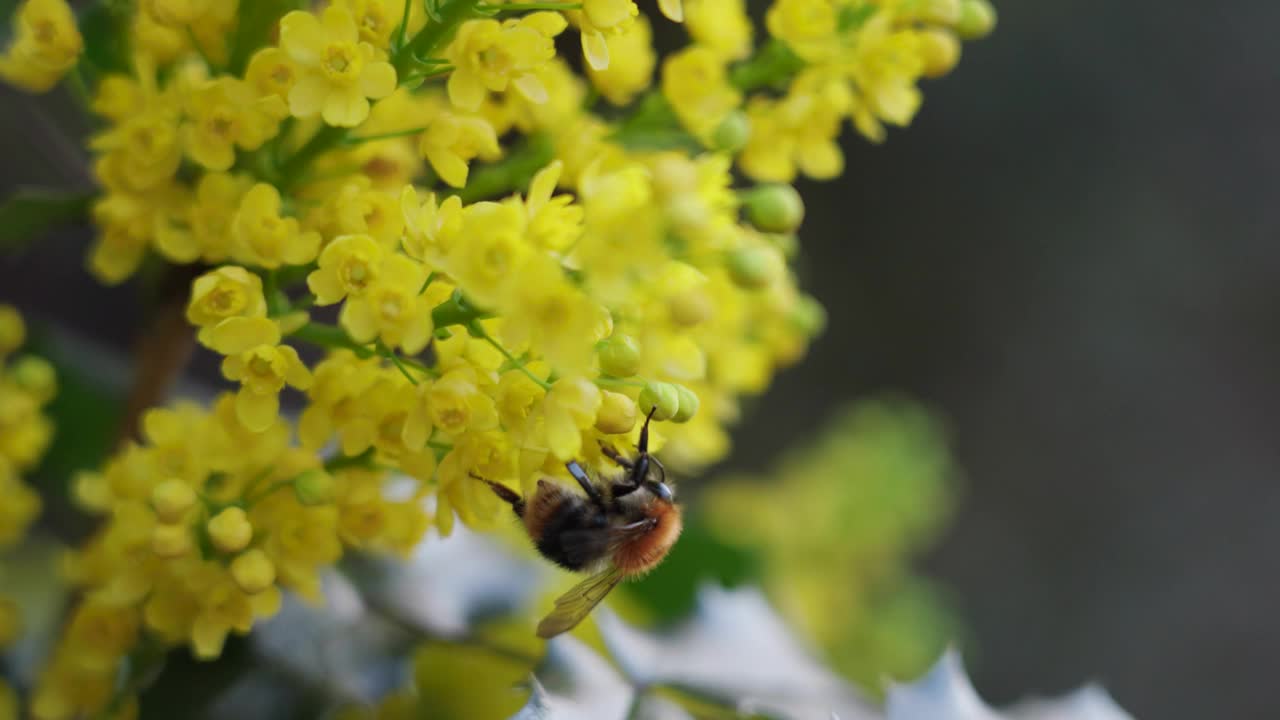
504	493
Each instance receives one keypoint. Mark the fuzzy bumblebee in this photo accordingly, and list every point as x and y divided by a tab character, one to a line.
615	530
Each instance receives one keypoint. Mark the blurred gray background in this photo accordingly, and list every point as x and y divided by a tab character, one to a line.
1072	256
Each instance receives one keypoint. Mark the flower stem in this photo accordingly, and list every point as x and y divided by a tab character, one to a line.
331	336
433	37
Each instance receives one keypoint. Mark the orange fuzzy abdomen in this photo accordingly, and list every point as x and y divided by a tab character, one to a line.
643	554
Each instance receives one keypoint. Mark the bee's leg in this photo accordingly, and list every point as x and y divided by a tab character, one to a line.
615	456
504	493
585	481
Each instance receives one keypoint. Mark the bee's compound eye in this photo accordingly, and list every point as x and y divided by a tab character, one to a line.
662	490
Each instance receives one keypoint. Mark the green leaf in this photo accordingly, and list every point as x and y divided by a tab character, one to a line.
257	20
29	212
105	27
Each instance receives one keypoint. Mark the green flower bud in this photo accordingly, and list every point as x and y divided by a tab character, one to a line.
620	356
732	133
36	376
942	12
313	487
809	316
977	19
753	267
662	398
688	404
775	208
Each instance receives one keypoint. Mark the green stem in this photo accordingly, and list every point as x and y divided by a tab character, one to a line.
520	7
347	141
479	332
514	172
772	65
331	336
434	36
342	462
390	354
457	310
324	139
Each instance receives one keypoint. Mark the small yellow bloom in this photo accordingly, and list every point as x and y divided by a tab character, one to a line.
569	408
171	499
223	114
430	228
171	541
376	19
488	54
230	530
495	248
13	332
695	83
45	45
261	365
631	63
339	72
722	26
265	238
348	266
272	72
253	571
452	141
555	221
392	308
230	291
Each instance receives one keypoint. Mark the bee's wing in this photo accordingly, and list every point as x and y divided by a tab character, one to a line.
576	604
585	546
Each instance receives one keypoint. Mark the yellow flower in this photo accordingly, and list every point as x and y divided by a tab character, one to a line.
451	141
272	72
225	607
495	247
13	331
630	67
721	26
430	228
338	70
555	221
45	45
359	209
205	232
261	365
265	238
228	292
549	314
800	131
392	308
376	19
598	17
808	27
695	83
223	114
569	408
488	54
348	266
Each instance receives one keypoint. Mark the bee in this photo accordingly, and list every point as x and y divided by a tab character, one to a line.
614	530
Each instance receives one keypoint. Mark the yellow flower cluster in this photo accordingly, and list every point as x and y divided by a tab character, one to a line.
27	384
509	264
872	489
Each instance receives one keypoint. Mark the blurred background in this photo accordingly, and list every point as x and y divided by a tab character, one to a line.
1071	258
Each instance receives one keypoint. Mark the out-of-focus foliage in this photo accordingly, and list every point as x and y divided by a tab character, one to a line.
835	524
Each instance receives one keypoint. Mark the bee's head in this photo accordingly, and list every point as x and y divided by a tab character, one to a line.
661	490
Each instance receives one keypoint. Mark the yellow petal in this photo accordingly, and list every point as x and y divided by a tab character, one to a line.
358	320
207	637
449	166
345	107
257	411
295	373
307	96
326	286
302	37
465	90
238	334
378	80
595	49
532	88
340	25
673	9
